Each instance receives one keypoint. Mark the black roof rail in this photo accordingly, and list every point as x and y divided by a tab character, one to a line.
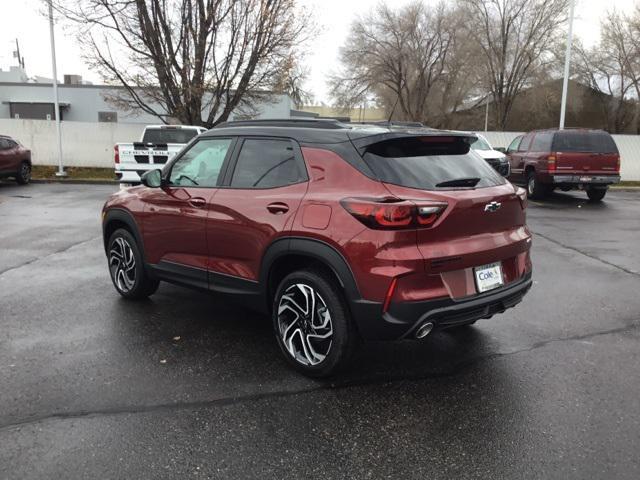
329	124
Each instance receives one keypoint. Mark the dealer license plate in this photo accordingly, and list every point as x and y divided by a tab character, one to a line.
488	277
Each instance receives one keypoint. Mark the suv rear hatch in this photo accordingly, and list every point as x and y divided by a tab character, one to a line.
483	220
585	152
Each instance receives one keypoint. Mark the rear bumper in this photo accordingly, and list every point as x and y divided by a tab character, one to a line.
586	179
403	318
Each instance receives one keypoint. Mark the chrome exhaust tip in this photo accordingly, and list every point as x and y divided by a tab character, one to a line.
424	330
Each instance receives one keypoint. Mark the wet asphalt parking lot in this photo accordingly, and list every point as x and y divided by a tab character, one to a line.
186	385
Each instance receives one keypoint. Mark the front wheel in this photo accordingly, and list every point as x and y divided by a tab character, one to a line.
312	323
24	173
596	194
127	267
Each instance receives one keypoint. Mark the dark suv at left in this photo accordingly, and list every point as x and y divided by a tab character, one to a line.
15	160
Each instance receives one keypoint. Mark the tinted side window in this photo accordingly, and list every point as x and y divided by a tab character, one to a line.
4	144
526	141
200	166
513	146
266	163
572	141
541	142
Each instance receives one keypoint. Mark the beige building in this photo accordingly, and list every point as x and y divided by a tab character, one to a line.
356	114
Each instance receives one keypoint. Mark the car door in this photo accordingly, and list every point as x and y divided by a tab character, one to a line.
175	214
517	158
262	191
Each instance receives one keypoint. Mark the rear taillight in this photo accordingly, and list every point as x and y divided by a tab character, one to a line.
392	213
618	163
521	193
551	163
116	154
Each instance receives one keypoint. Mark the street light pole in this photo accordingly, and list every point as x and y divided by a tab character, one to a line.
486	115
567	64
60	172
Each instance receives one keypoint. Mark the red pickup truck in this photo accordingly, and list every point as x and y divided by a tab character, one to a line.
565	159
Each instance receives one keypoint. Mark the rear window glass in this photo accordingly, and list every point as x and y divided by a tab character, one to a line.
411	163
169	135
541	142
595	142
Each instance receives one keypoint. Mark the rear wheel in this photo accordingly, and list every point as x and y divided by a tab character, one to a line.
535	189
127	267
596	194
24	173
312	323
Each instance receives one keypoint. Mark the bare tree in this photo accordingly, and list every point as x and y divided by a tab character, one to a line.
292	79
612	68
193	60
397	55
516	38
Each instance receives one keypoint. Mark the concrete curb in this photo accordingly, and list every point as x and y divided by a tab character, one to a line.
623	188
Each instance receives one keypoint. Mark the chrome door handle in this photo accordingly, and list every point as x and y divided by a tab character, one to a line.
278	208
197	202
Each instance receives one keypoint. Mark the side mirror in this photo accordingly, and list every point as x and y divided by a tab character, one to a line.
152	178
501	149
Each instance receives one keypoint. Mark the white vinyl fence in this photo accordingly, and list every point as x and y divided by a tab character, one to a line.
84	144
91	144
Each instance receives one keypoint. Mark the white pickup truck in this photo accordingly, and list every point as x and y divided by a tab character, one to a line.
158	145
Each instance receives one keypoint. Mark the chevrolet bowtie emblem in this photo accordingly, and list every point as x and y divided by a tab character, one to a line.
492	207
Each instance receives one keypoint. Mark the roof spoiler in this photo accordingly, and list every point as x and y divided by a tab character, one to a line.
457	143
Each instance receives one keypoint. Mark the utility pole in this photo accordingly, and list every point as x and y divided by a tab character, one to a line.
567	64
486	115
56	103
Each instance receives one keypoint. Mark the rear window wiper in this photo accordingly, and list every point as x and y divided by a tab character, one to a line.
459	182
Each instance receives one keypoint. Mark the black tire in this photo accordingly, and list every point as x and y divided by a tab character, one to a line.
126	267
291	327
535	189
23	176
596	194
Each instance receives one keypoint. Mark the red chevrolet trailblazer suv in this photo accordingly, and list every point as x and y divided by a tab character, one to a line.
337	231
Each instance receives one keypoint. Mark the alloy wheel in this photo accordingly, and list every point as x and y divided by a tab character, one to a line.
304	324
25	172
122	264
531	186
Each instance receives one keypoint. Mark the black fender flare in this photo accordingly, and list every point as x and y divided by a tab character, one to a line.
126	217
313	248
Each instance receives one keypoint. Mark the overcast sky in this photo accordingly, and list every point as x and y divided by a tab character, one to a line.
25	22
